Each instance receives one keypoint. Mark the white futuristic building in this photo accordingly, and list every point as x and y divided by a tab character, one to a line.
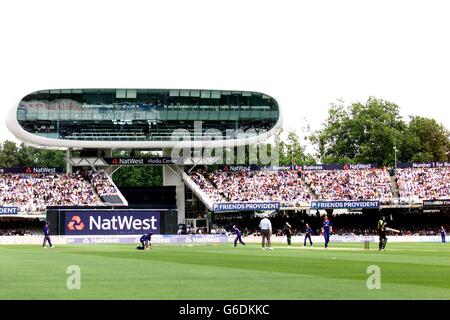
99	120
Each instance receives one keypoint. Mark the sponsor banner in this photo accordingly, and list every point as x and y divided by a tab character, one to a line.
31	240
112	222
436	203
406	165
156	239
259	168
32	170
139	161
201	239
314	167
277	168
9	210
245	206
360	166
373	204
254	167
238	168
342	239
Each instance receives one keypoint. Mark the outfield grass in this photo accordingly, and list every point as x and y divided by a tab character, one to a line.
408	271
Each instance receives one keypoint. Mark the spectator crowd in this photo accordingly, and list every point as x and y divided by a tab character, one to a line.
102	183
291	187
284	186
374	184
423	183
32	192
204	180
294	188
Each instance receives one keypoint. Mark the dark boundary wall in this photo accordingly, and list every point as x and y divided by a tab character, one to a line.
163	197
56	217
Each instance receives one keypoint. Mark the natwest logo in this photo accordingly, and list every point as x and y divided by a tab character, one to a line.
111	222
122	223
75	223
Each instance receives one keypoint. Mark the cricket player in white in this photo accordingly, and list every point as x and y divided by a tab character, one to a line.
266	232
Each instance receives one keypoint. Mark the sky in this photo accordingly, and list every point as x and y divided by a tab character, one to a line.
305	54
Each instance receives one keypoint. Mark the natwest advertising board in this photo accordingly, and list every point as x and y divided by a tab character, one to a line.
116	222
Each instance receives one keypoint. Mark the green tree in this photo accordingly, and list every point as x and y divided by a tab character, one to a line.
8	154
360	133
50	158
292	151
144	176
26	155
425	140
137	176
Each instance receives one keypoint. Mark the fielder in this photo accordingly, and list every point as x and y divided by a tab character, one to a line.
238	234
443	234
308	233
146	241
327	229
47	236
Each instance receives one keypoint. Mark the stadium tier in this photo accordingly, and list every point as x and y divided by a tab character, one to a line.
374	184
295	188
284	186
33	192
423	183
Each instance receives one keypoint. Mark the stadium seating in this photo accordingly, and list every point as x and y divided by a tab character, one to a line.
374	184
258	186
105	187
292	189
418	184
33	192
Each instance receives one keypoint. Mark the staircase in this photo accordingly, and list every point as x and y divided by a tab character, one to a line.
117	199
311	192
196	190
394	188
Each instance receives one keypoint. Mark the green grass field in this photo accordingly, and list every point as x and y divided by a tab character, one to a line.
408	271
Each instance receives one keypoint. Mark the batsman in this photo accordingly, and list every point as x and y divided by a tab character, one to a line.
382	233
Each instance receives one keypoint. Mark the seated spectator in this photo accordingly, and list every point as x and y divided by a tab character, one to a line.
283	186
33	192
350	184
418	184
102	183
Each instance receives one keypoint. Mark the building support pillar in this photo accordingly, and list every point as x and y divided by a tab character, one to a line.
170	178
69	168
